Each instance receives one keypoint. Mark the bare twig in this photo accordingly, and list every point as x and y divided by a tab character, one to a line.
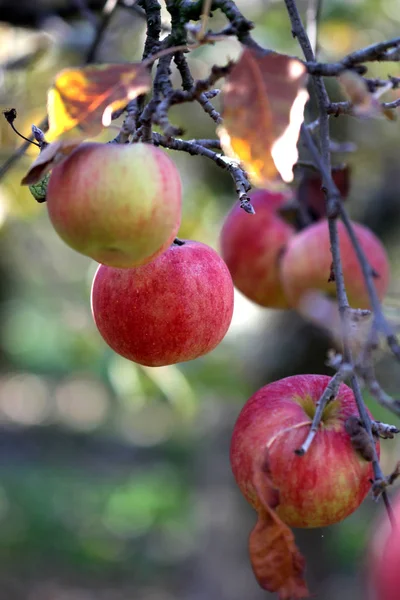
197	90
381	51
204	18
380	321
383	430
329	394
314	8
239	176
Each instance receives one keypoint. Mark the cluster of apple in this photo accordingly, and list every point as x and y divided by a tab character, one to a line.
156	300
276	266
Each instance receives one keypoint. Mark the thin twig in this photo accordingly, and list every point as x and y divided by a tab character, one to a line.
314	8
380	321
384	430
376	52
239	176
328	395
204	18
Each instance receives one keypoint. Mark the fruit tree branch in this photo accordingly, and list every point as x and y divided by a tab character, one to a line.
239	176
333	198
382	51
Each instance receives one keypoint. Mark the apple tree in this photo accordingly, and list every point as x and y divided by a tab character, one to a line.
305	449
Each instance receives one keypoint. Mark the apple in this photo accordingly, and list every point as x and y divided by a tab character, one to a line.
384	557
252	247
306	264
120	204
174	309
322	487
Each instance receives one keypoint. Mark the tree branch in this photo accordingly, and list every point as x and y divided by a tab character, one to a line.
333	198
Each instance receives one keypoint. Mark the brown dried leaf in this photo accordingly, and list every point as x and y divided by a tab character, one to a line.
52	155
359	437
263	102
86	98
275	559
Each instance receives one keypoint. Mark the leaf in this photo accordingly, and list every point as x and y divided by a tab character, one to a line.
310	192
87	97
263	102
52	155
39	189
275	559
364	103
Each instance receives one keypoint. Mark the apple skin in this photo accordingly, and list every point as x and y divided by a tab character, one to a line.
120	204
252	245
174	309
383	569
306	264
322	487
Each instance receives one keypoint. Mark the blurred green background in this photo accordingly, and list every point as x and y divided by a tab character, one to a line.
114	478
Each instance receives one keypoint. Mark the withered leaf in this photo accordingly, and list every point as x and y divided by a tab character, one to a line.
310	192
263	102
359	437
52	155
275	559
364	103
85	98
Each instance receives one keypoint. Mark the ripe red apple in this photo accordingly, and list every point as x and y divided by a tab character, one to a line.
383	572
252	245
306	265
176	308
118	204
322	487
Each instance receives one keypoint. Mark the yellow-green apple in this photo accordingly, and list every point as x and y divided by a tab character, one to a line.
174	309
120	204
383	568
322	487
306	264
252	246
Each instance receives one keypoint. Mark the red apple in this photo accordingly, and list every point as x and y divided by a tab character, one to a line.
322	487
252	245
118	204
383	573
176	308
306	265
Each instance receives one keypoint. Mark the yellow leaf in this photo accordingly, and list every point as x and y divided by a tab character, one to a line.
86	98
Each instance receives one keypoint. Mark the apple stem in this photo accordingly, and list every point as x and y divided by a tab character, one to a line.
178	242
328	395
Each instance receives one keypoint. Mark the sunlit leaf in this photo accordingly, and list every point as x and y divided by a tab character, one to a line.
86	98
51	155
275	559
263	108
